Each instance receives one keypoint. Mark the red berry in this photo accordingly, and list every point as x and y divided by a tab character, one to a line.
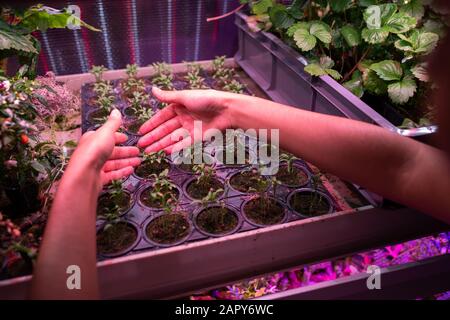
24	138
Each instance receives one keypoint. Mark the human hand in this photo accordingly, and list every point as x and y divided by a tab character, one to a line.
186	106
98	150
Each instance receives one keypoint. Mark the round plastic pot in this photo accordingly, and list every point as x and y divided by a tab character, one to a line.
147	186
309	190
285	215
127	249
236	228
191	180
165	245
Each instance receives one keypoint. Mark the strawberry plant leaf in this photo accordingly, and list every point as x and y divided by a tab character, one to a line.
14	40
388	70
355	84
351	35
304	40
340	5
280	17
413	8
374	36
373	83
420	72
333	73
315	69
262	6
401	91
321	31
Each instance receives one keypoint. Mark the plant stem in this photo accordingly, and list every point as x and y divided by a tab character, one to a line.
226	14
356	65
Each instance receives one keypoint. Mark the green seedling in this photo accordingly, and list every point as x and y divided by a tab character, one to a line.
98	71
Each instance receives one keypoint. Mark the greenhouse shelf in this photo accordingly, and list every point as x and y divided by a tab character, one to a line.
279	71
180	270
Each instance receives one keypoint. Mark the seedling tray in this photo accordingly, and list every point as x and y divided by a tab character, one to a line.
279	71
150	271
139	215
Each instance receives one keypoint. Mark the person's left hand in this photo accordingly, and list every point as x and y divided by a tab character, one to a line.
98	150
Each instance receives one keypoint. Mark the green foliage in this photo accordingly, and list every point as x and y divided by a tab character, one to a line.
163	75
376	45
16	37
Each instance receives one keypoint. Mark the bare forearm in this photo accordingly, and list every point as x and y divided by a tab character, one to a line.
362	153
69	238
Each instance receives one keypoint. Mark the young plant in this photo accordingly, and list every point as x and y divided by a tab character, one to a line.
234	86
220	72
205	173
154	158
133	85
98	71
289	159
163	77
162	191
131	70
103	88
195	80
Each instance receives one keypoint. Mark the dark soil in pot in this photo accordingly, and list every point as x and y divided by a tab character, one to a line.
188	167
117	238
133	126
296	177
200	190
150	202
309	203
145	170
244	180
106	203
266	211
217	220
129	112
168	228
97	115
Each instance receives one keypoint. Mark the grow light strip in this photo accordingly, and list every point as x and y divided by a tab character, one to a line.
80	51
49	52
130	38
135	30
169	31
198	24
104	27
225	6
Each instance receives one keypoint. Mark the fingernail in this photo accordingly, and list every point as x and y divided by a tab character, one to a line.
156	89
115	114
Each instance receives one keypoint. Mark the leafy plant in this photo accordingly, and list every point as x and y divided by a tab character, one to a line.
154	158
204	173
220	72
163	75
162	193
27	165
234	86
131	70
195	80
16	28
97	72
374	47
289	159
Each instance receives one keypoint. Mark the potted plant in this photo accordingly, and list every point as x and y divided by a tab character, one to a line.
172	226
152	163
142	113
375	49
161	193
309	202
206	181
137	103
163	76
132	85
193	77
221	74
262	208
116	237
100	115
248	180
289	174
215	218
113	199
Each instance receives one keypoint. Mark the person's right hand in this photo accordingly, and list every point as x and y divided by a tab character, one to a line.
185	107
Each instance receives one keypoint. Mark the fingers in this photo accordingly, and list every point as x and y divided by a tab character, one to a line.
160	132
168	140
172	96
124	152
113	123
120	137
186	142
107	177
113	165
158	119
